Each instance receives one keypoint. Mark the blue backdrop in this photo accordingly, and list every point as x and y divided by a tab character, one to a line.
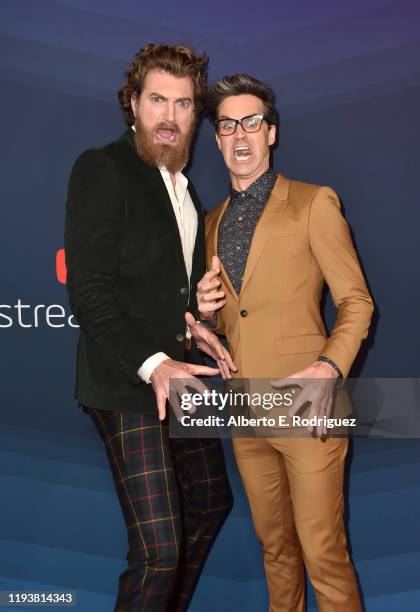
347	79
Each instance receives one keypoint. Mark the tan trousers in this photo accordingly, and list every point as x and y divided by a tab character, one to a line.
295	490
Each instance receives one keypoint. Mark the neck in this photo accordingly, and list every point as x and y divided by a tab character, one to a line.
241	183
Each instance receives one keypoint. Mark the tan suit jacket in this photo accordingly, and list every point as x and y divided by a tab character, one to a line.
301	241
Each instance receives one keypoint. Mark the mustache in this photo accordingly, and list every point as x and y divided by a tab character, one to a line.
240	142
168	125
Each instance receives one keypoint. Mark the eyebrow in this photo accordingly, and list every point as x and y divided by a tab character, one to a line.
185	98
233	119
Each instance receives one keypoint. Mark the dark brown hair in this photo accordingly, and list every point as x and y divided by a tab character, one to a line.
236	85
177	60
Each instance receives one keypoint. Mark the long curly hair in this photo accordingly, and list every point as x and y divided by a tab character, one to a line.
178	60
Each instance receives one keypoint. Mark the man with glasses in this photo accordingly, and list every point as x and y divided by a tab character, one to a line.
271	246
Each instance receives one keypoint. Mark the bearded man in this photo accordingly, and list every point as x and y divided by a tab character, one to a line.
134	244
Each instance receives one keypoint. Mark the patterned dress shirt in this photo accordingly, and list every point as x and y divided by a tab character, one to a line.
238	224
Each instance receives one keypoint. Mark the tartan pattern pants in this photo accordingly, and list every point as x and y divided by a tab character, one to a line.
175	496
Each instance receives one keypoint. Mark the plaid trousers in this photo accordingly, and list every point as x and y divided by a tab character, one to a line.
175	496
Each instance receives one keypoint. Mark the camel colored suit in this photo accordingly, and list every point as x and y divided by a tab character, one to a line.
274	328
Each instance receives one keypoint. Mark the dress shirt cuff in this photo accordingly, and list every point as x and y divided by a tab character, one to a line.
146	369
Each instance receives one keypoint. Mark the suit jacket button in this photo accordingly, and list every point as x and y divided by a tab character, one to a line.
183	291
180	337
244	313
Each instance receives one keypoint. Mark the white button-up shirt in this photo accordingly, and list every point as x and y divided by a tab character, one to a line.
187	220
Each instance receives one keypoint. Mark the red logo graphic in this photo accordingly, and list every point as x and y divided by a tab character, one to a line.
60	266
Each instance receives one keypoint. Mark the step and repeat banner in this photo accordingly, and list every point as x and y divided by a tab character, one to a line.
347	81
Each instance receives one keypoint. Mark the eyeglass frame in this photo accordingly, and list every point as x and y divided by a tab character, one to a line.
239	122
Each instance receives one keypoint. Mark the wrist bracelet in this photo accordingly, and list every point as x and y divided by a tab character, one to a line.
332	364
212	325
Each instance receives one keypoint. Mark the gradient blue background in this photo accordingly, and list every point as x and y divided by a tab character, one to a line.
347	79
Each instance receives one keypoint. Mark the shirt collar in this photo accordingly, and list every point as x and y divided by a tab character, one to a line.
181	183
260	189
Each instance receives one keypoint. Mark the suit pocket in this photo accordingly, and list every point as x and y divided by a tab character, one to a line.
293	345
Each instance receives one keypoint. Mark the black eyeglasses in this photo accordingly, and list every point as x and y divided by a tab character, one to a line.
250	123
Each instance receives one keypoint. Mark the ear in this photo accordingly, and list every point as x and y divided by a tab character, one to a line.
272	135
218	141
133	102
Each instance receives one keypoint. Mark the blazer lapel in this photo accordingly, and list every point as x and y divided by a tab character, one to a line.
267	225
160	193
214	232
199	245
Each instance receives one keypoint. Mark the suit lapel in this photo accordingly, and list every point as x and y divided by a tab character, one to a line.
195	199
198	263
160	194
267	225
214	232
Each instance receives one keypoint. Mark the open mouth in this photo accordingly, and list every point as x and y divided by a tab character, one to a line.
242	153
167	135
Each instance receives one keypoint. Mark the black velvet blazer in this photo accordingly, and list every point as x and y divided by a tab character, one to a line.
127	283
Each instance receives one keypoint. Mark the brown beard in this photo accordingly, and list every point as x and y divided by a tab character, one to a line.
171	157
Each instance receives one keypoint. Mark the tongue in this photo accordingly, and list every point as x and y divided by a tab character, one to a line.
166	134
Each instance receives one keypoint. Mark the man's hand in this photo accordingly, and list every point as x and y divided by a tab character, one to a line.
169	368
210	298
318	384
210	344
